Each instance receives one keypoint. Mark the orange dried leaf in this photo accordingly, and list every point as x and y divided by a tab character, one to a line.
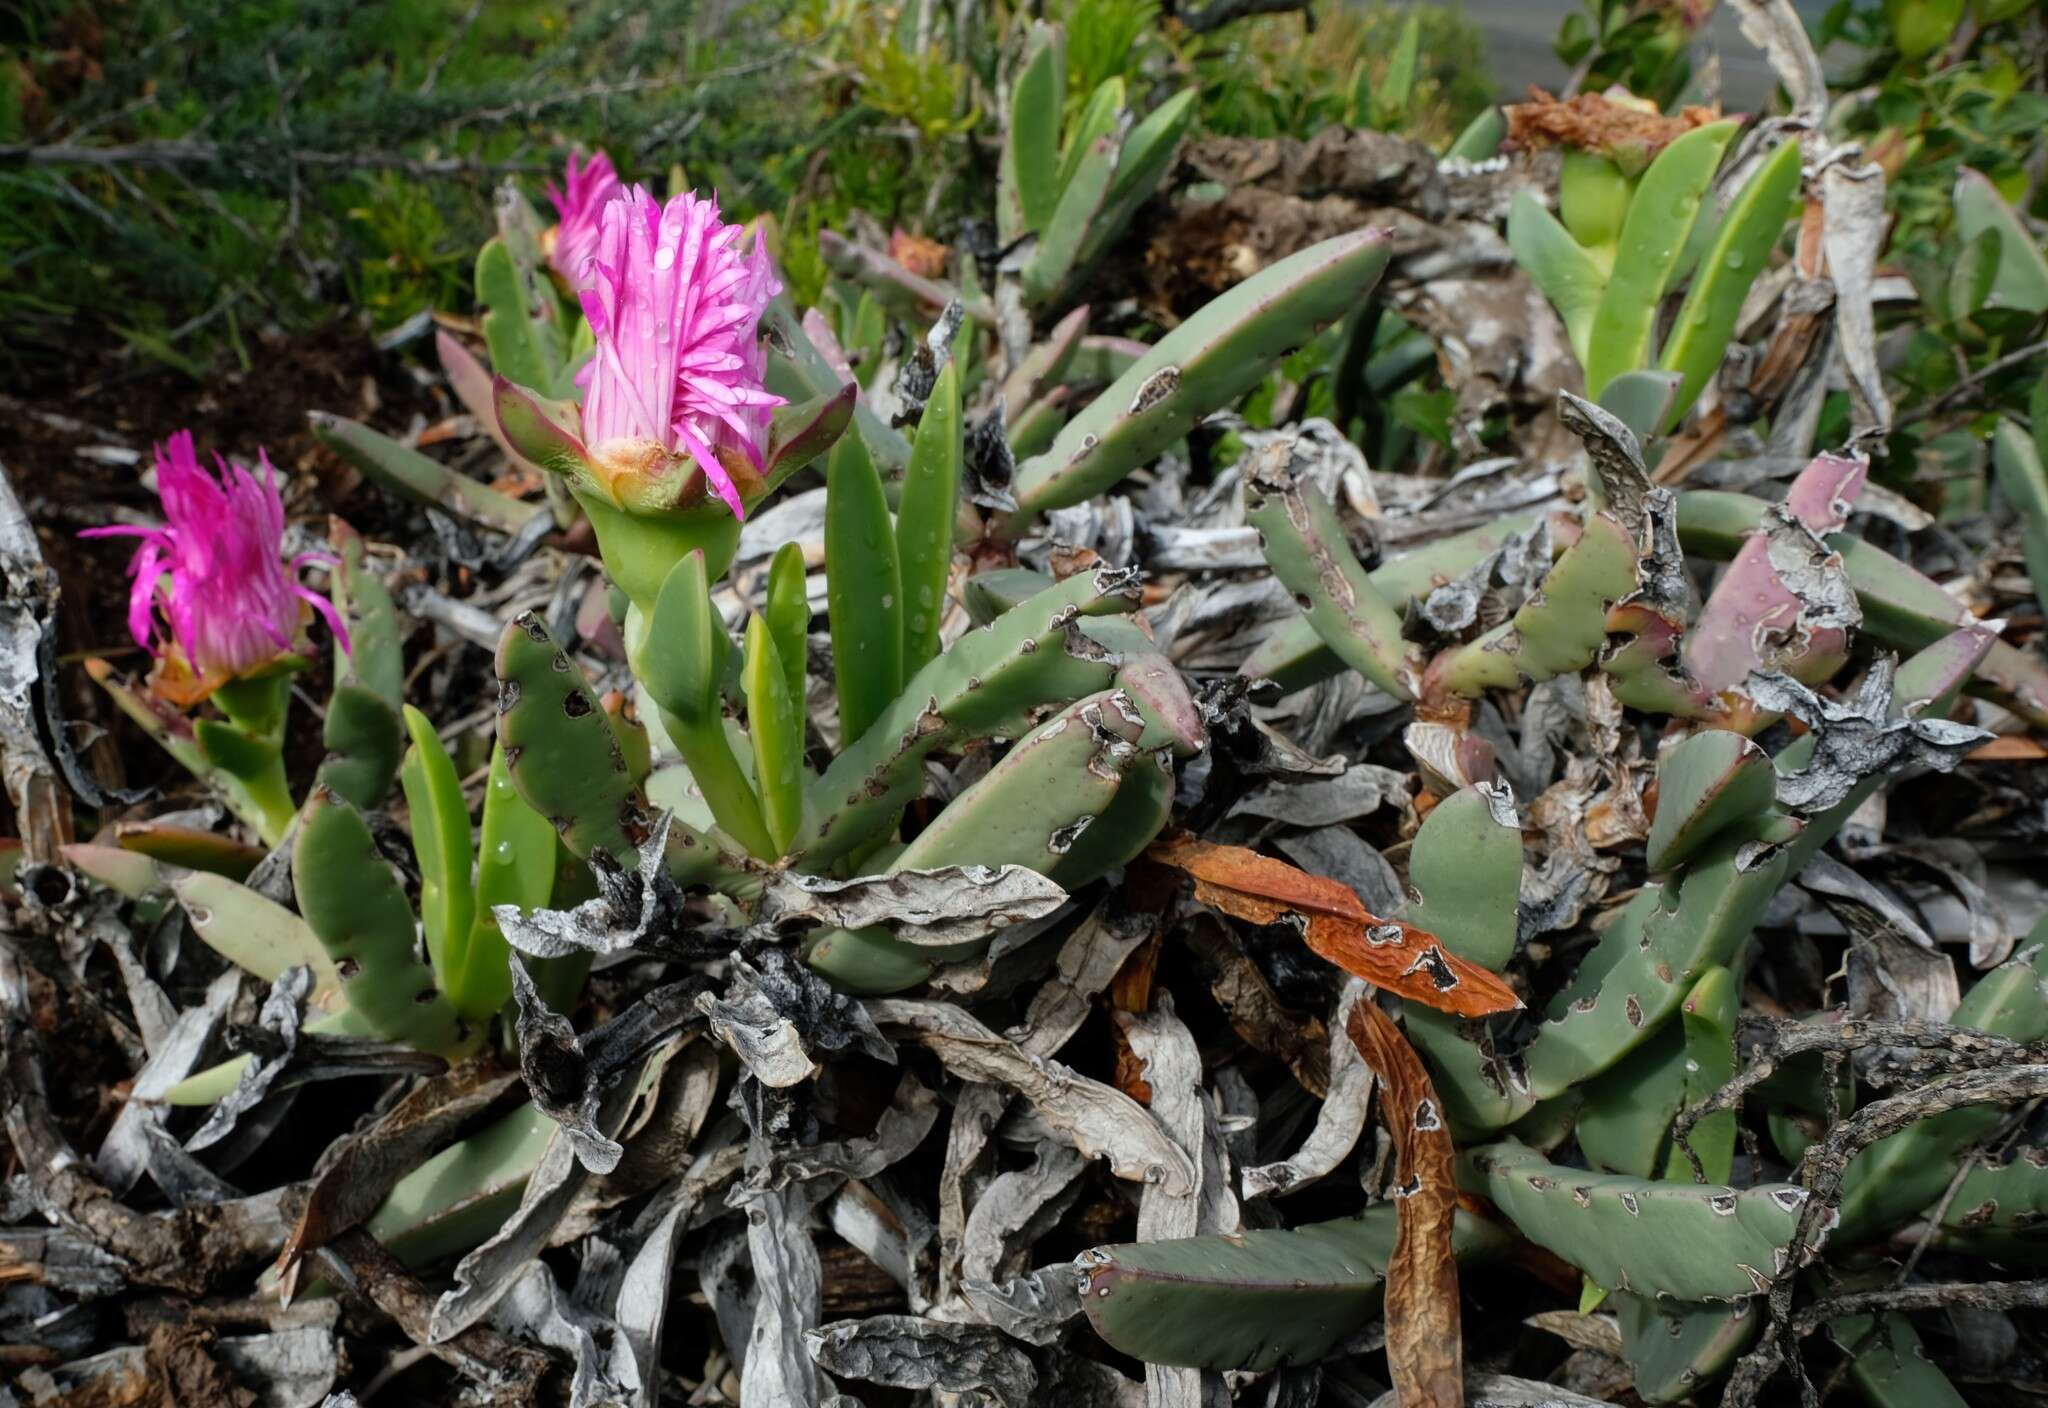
2012	748
1595	122
924	257
1410	963
1425	1343
1385	952
1260	877
1131	991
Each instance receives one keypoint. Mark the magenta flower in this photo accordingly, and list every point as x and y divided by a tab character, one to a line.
676	310
581	199
216	569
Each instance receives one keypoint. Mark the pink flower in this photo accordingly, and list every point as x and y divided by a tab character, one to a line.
581	199
676	310
216	569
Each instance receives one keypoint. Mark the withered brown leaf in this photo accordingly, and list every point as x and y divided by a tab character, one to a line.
1387	953
1425	1348
1131	991
359	1169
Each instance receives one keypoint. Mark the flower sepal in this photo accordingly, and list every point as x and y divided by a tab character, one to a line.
637	476
544	432
798	435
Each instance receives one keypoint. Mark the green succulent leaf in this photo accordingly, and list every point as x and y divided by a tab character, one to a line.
1660	215
1741	248
353	902
776	725
442	844
864	591
925	518
1689	1241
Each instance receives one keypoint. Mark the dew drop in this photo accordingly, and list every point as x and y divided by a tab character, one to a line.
1734	260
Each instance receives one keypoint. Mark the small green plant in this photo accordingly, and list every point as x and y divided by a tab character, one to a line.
1628	232
1643	48
220	611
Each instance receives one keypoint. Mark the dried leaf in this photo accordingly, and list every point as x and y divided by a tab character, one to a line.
767	1043
1340	1119
789	1281
1007	1214
1100	1121
903	1126
283	1011
631	905
1297	1039
360	1169
952	904
124	1154
905	1351
1425	1348
1034	1307
488	1271
1387	953
1856	739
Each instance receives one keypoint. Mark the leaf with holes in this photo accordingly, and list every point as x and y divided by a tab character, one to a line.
1388	953
1425	1350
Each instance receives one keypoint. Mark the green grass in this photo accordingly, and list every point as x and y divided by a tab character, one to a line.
285	162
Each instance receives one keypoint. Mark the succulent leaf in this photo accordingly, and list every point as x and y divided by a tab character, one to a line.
1905	1172
418	479
515	865
864	591
925	519
1306	547
1208	361
1559	630
1660	214
1742	245
564	759
1027	175
442	844
1252	1300
986	683
355	906
1675	1348
775	723
1689	1241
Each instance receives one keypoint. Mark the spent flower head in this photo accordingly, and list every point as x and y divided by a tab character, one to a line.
213	593
675	306
580	201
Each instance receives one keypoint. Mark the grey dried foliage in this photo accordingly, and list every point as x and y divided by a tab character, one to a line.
942	907
765	1191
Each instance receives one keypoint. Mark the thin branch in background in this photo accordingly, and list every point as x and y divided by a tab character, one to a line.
455	41
1222	12
1939	1295
178	152
533	107
1962	389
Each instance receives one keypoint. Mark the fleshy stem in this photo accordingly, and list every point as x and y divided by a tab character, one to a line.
707	748
639	549
255	709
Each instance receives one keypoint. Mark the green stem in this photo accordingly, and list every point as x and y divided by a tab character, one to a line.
257	704
269	797
247	752
640	550
708	750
